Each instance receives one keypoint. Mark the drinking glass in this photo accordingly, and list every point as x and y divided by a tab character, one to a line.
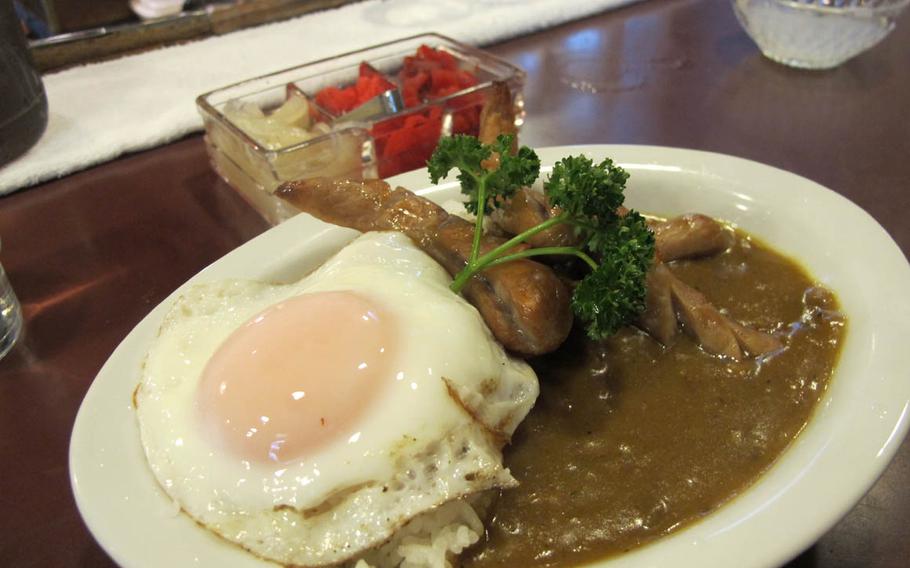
10	315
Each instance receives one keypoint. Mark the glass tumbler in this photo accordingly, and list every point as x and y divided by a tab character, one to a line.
10	315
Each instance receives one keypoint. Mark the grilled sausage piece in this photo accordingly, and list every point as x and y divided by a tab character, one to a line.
523	302
498	115
670	300
687	236
529	208
690	236
670	303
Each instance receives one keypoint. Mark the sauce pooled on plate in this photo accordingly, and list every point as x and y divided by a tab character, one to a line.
630	440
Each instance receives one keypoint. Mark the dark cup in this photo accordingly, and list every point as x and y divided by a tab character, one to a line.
23	104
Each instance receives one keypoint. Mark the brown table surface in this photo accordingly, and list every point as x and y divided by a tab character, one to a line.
91	254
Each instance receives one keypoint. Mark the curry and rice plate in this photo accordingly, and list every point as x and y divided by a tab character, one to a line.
359	417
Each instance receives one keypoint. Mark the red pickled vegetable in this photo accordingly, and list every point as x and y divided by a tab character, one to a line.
406	143
344	99
432	74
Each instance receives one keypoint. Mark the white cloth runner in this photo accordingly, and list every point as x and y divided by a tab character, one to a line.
100	111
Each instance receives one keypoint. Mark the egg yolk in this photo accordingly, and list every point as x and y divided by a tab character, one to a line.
296	376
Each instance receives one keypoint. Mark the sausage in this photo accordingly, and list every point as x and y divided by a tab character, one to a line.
686	236
523	302
669	303
690	236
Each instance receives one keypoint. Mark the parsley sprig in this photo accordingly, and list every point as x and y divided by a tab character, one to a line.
587	194
482	186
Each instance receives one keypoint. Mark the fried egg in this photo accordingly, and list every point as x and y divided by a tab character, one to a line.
308	422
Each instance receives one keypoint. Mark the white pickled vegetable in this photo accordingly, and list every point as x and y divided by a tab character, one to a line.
287	125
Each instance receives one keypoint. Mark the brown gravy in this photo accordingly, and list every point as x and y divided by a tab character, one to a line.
630	441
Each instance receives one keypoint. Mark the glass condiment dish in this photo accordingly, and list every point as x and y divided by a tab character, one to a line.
347	149
817	34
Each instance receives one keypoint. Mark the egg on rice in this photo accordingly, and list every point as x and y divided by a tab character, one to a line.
356	416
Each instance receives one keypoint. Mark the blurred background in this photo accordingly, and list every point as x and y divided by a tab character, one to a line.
63	33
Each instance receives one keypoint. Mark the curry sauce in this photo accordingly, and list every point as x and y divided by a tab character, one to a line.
630	440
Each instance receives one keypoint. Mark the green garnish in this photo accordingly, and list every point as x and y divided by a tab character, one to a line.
613	293
482	186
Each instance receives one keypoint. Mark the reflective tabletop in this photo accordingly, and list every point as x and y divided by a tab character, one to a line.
90	254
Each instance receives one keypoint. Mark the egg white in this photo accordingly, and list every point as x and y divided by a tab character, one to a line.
433	436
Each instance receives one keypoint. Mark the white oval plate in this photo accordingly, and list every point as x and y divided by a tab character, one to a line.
852	437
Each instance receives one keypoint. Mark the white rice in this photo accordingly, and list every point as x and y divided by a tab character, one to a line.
434	539
430	540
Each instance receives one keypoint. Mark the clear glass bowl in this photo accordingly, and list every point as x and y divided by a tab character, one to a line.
361	149
817	34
